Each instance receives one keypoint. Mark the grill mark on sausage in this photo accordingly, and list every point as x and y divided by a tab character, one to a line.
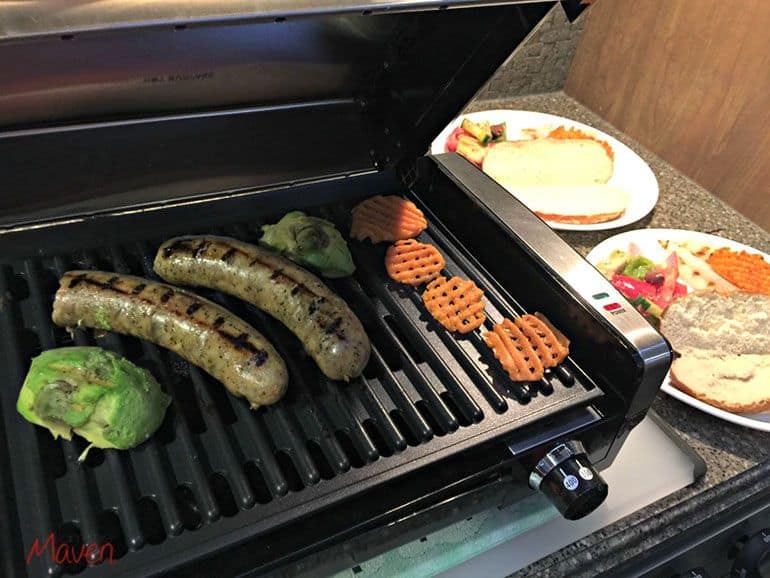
200	249
334	329
228	256
77	280
276	275
315	305
240	342
166	296
193	308
260	357
178	245
139	288
112	280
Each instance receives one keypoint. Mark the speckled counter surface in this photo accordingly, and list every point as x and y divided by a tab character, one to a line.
738	459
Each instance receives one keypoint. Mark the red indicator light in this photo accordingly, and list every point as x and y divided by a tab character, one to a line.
612	306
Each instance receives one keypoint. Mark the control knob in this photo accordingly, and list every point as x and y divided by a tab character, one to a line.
569	481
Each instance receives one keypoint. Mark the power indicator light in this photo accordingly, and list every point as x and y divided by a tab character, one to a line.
612	306
600	296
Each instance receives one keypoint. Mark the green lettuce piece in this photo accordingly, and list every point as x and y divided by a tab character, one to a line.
638	267
95	393
311	242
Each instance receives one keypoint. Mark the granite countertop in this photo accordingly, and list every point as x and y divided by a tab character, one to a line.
738	459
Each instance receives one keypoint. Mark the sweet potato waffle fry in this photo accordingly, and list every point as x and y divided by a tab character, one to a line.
413	263
456	303
746	271
514	352
526	346
386	218
550	350
564	133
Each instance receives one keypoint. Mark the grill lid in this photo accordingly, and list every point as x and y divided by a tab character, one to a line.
97	98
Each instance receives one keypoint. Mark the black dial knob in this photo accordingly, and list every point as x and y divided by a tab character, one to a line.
752	556
569	481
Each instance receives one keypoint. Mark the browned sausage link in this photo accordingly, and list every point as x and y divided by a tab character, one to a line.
204	333
328	329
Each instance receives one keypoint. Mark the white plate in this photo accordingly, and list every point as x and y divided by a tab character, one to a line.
647	241
631	172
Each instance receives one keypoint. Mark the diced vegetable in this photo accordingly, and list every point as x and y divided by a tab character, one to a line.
655	277
647	297
646	306
670	276
498	132
633	288
451	141
481	131
613	263
638	267
469	147
648	287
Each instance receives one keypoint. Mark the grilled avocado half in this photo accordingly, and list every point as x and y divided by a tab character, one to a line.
95	393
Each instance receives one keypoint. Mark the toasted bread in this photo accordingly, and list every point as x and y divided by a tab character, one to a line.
736	323
548	162
724	345
578	204
735	383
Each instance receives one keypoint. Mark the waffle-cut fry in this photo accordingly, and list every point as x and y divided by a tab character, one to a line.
514	351
746	271
413	263
526	346
386	218
456	303
544	341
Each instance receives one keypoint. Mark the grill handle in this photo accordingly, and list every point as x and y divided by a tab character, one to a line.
567	478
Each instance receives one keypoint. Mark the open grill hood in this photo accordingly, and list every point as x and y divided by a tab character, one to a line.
330	89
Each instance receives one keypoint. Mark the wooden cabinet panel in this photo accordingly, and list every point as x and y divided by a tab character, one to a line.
689	80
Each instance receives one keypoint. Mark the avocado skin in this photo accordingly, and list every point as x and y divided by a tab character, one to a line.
95	393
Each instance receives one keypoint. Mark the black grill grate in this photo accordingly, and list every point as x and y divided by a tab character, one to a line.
215	468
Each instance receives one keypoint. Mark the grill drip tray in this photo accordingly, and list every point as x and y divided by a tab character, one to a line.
216	473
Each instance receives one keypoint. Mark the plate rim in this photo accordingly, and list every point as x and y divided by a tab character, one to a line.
438	143
597	252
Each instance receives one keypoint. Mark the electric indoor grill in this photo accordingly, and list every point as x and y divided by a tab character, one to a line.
123	124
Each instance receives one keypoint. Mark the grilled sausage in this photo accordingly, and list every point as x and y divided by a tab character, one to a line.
328	329
202	332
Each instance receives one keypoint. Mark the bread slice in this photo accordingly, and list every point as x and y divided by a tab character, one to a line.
735	383
736	323
579	204
724	345
548	162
